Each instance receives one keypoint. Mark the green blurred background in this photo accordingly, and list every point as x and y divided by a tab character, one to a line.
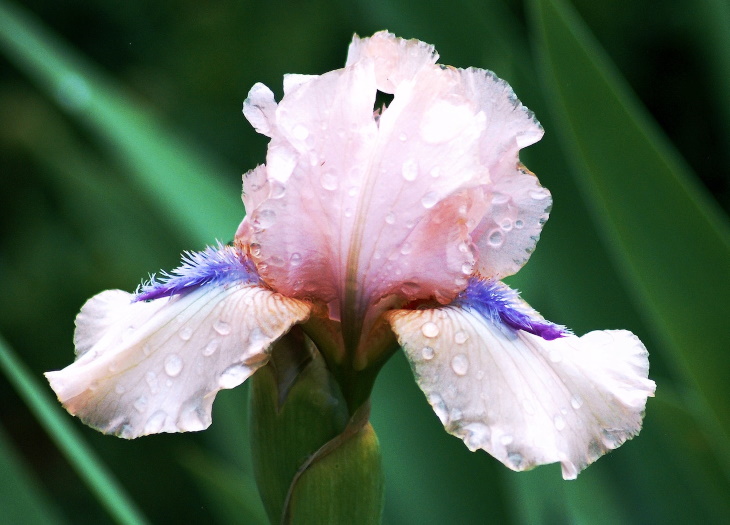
122	144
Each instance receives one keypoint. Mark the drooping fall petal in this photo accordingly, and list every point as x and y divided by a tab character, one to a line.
156	366
526	400
385	202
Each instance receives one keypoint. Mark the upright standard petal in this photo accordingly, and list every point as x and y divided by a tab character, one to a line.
145	367
526	400
386	202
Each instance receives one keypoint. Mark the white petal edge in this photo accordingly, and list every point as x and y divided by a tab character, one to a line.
525	400
150	367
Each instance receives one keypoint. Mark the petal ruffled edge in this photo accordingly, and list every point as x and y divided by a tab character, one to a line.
526	400
156	366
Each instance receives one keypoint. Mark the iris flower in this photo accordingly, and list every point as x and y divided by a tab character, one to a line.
373	230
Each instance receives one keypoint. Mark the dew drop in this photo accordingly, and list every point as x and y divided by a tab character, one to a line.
576	402
140	404
402	137
506	439
496	238
147	349
295	259
300	132
390	218
233	376
539	194
515	459
500	198
276	189
435	172
185	333
352	191
265	218
460	337
210	348
519	224
151	379
429	200
430	329
409	170
222	327
410	288
348	212
428	353
559	422
460	364
467	268
173	365
439	407
255	249
477	435
506	224
155	422
406	248
328	180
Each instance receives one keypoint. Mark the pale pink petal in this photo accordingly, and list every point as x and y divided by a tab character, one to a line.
149	367
525	400
507	234
396	59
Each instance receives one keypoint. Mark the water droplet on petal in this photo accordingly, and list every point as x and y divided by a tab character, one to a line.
390	218
500	198
255	249
406	248
295	259
140	404
409	170
496	238
430	329
410	288
506	224
185	333
428	353
519	224
151	379
402	137
328	180
539	194
477	435
576	402
233	376
559	422
435	172
467	268
429	200
173	365
515	460
222	327
437	402
460	337
276	189
300	132
460	364
506	439
264	218
211	347
155	422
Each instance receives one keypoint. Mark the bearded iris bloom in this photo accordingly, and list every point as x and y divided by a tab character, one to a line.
373	230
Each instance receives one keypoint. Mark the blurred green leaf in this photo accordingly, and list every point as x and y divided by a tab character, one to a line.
665	234
22	501
100	481
183	181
